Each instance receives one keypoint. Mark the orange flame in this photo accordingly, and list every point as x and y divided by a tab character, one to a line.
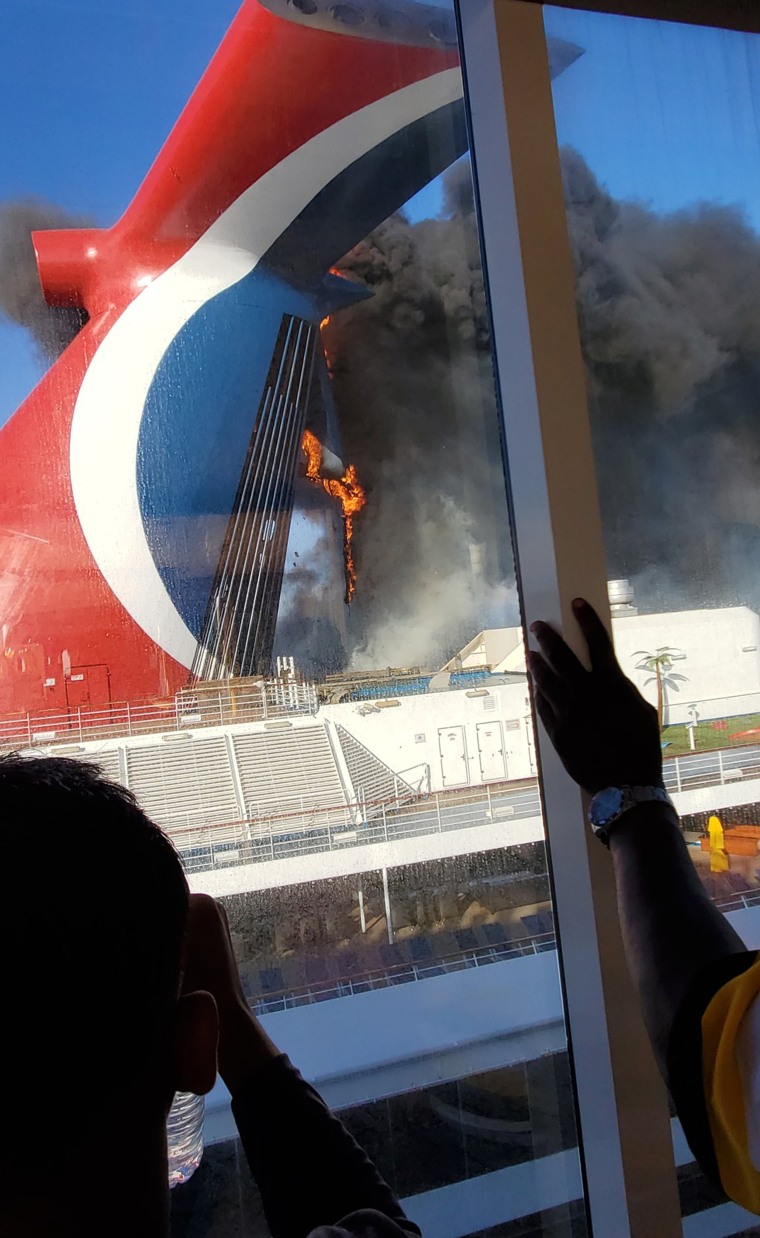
325	348
350	494
312	449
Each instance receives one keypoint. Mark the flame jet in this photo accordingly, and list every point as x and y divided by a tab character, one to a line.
348	491
147	482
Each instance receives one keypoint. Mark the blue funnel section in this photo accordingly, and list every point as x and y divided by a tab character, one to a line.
199	416
232	454
208	397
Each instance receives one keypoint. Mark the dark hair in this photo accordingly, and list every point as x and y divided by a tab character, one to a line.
93	913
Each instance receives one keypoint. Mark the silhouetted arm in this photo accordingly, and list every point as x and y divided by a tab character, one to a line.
314	1179
606	734
671	929
699	987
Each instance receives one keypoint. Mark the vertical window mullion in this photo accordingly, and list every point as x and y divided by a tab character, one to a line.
622	1105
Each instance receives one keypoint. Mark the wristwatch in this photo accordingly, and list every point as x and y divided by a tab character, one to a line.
609	805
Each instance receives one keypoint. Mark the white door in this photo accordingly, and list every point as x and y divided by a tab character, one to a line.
493	764
451	745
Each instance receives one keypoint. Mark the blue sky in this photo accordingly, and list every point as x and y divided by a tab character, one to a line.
665	114
91	89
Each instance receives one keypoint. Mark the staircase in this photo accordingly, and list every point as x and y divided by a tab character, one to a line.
290	772
371	779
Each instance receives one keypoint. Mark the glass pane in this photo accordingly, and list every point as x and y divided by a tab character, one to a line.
256	554
663	213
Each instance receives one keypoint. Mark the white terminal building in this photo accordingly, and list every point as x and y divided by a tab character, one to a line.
419	770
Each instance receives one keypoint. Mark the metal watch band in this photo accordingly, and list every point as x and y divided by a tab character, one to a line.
609	805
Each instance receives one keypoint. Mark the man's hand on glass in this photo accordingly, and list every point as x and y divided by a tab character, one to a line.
604	731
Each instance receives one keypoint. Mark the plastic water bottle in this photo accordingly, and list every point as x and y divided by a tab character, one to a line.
184	1136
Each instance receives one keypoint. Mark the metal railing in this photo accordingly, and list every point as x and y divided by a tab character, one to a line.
417	776
400	973
410	970
713	768
406	972
282	836
308	831
217	705
739	901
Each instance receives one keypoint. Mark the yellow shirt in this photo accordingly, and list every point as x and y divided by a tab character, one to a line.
731	1079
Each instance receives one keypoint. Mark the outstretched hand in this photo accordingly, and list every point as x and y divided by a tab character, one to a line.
604	731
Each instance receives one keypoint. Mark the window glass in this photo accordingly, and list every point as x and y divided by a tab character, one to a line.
256	556
658	133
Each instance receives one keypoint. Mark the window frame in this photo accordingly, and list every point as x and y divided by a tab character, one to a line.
723	14
625	1137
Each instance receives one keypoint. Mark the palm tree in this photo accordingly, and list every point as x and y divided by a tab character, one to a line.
660	663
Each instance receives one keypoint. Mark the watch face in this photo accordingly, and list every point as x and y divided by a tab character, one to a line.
606	805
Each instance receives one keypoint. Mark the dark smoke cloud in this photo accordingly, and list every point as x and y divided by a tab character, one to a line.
667	301
414	388
21	298
313	642
669	309
311	621
670	322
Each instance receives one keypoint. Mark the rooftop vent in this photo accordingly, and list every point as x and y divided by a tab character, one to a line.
620	594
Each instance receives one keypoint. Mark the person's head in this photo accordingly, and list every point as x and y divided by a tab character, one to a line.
93	913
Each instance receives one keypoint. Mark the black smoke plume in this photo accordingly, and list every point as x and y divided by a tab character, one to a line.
310	607
414	387
21	298
669	309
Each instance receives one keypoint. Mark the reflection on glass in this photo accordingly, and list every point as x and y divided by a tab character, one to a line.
254	562
658	136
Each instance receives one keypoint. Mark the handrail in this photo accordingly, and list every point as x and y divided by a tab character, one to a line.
375	977
288	834
189	709
343	985
474	795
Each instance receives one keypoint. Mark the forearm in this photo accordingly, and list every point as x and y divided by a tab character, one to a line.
309	1170
671	930
244	1047
289	1135
311	1173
